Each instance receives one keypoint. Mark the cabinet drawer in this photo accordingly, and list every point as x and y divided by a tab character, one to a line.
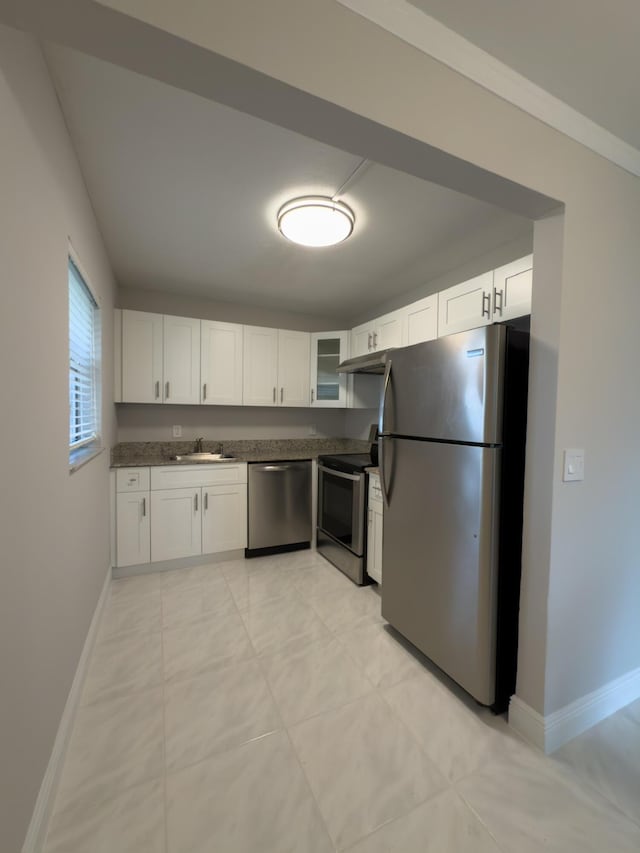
188	476
132	480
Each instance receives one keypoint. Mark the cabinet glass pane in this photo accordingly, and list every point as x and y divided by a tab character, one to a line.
328	385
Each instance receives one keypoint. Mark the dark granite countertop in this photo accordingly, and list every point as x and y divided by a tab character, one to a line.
152	453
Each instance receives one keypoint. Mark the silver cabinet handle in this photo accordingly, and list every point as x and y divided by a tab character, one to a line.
281	394
206	500
312	395
486	311
144	507
369	341
158	389
274	394
375	340
195	502
204	392
166	390
497	307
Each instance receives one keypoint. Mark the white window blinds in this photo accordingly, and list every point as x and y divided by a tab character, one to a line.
83	410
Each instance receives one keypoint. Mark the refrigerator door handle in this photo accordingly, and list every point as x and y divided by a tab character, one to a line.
383	400
382	440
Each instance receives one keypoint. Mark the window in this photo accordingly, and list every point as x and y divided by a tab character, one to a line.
84	379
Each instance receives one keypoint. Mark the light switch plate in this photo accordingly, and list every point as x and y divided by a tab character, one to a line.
177	431
573	469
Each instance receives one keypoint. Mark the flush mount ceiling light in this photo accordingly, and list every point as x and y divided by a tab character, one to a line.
315	221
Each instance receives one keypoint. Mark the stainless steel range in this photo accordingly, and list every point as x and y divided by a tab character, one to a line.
342	510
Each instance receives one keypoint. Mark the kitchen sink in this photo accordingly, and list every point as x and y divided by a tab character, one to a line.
204	457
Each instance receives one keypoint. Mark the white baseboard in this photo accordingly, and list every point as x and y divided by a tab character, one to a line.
37	831
552	731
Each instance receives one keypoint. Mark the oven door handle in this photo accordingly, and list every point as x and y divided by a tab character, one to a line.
353	477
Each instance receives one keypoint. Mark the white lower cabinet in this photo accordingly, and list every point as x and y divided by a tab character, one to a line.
224	518
133	529
172	512
176	527
374	535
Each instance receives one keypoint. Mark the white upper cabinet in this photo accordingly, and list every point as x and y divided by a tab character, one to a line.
466	305
294	350
220	363
512	289
422	320
181	360
328	388
141	357
260	366
361	340
160	358
381	333
389	331
276	367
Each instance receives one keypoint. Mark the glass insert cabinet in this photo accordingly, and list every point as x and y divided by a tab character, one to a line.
328	388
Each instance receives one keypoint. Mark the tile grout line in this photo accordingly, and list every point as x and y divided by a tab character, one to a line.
164	732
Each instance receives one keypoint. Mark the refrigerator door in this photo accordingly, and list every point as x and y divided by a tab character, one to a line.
449	389
440	555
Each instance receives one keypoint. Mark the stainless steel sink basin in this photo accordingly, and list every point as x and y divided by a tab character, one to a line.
204	457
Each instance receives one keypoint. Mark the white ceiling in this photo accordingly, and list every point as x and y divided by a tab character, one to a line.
186	191
584	52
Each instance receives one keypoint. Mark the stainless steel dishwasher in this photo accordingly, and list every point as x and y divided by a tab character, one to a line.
279	506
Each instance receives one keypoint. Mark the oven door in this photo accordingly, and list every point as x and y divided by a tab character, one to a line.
341	505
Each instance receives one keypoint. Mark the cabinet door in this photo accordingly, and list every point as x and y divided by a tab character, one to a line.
374	546
176	524
466	305
220	363
181	360
328	388
389	331
361	340
294	351
133	531
260	368
422	320
224	518
512	289
141	357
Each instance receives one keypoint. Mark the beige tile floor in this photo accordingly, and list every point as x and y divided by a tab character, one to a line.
264	706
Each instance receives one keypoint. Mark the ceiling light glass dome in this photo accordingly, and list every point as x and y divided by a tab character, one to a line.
315	221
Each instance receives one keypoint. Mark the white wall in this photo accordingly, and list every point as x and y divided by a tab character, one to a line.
405	109
161	302
217	423
54	528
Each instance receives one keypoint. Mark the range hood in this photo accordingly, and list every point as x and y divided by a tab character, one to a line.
372	362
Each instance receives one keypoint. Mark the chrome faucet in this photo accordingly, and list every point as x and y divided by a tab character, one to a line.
197	447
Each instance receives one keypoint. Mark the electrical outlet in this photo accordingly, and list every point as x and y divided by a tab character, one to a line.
177	431
312	429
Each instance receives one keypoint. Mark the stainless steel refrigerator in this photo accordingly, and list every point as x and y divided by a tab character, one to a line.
452	435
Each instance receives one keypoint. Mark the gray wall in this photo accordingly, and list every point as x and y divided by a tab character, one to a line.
217	423
161	302
397	97
54	527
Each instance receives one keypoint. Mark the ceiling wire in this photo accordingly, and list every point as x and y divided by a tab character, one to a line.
360	167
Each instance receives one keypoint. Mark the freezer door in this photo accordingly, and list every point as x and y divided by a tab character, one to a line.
440	556
449	389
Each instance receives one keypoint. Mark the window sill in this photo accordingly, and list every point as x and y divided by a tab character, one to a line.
79	458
